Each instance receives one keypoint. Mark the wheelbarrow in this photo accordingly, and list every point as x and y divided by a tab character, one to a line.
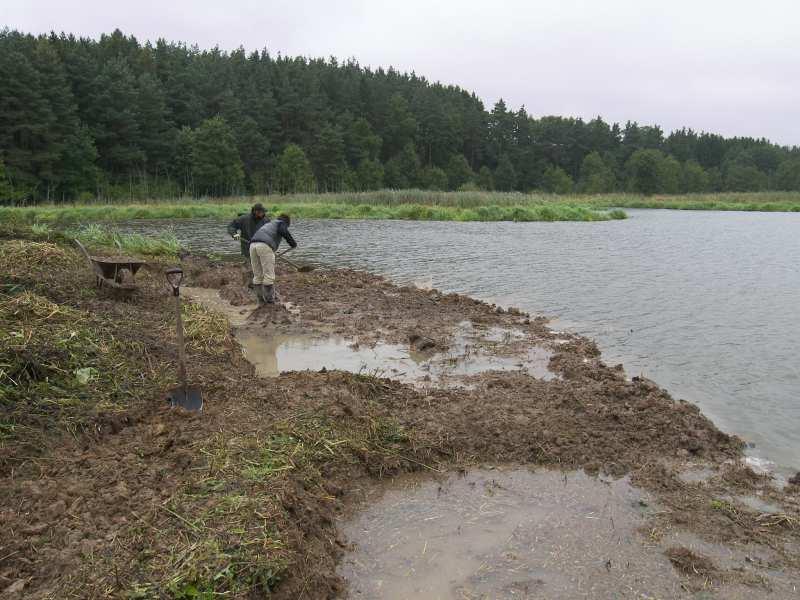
117	272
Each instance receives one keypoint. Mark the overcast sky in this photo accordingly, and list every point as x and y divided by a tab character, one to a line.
731	67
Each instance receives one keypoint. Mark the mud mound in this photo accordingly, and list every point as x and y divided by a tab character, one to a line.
236	294
202	272
690	563
421	343
512	417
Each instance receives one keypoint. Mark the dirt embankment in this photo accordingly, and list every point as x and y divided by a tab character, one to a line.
149	502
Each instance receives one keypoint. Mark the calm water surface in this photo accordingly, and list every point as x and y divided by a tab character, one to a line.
704	303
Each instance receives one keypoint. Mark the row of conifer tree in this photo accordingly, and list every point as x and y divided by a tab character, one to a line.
117	118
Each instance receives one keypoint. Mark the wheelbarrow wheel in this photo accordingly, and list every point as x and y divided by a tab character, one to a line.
125	277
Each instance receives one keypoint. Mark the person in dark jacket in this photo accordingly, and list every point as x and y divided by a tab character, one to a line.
244	227
263	246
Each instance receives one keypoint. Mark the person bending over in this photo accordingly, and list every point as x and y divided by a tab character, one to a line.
263	246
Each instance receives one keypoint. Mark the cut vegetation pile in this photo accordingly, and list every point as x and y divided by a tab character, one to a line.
64	361
51	359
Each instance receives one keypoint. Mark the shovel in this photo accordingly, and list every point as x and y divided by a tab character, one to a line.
303	269
184	396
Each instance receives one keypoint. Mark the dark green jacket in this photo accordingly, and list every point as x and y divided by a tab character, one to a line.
247	225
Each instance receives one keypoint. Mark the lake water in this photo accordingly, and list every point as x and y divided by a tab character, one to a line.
704	303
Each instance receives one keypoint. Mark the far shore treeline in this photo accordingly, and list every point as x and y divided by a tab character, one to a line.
116	119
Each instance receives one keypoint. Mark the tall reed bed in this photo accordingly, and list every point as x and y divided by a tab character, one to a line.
65	215
94	235
464	199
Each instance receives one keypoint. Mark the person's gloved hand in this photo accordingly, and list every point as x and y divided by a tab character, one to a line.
237	236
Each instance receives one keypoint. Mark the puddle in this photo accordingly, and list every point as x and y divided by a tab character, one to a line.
464	357
509	534
762	466
503	335
505	534
534	363
696	474
755	503
274	352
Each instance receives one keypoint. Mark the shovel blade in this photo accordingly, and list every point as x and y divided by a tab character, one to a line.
189	398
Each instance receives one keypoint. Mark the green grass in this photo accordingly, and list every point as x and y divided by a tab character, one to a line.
708	202
769	201
148	208
463	199
412	205
298	208
743	201
163	243
393	204
94	236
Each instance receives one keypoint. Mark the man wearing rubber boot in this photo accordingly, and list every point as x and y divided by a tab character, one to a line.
244	227
263	246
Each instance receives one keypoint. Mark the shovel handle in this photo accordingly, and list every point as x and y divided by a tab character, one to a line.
287	261
181	349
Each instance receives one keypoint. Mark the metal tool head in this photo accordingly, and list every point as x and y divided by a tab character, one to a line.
189	398
174	277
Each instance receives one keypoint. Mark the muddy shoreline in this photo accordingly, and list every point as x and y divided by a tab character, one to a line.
248	498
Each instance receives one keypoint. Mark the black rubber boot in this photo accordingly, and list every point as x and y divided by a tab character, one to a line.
259	289
269	294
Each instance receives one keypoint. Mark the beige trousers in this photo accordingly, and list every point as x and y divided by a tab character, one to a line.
262	257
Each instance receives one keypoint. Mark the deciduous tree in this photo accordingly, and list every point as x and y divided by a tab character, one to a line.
505	176
216	166
694	178
294	173
557	181
433	178
402	171
596	176
369	175
458	172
